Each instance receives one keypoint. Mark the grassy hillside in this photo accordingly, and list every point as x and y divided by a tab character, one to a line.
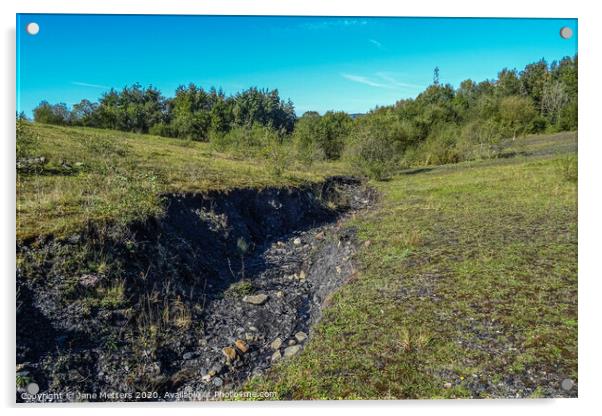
467	287
103	175
467	279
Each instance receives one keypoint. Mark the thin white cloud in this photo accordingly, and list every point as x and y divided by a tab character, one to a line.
364	80
382	80
87	84
377	44
390	78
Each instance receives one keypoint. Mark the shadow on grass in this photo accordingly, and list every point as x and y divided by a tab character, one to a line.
416	171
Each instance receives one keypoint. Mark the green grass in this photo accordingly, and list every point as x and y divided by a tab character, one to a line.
103	176
470	278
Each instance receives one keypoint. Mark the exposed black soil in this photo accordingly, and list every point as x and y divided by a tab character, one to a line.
187	305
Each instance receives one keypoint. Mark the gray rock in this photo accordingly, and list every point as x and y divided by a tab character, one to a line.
297	241
292	350
74	375
258	299
300	336
216	369
74	239
276	344
276	356
218	382
89	280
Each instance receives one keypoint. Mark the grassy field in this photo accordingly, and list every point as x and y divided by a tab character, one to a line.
467	287
467	273
92	175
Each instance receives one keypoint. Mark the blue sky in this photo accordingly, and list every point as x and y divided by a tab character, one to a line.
321	63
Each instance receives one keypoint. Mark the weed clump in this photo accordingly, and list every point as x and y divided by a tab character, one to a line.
239	289
567	168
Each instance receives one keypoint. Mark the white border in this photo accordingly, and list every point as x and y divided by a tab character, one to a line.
590	151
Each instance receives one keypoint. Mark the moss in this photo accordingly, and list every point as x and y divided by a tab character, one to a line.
239	289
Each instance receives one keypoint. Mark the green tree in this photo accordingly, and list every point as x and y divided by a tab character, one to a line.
516	113
52	113
533	79
508	83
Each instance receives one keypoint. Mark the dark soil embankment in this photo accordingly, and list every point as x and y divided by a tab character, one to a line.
189	304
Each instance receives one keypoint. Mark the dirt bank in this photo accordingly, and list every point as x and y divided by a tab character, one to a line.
191	303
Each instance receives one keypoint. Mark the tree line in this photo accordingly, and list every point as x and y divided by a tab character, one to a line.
193	113
442	124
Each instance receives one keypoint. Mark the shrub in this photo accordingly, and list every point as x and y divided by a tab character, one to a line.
277	157
440	148
307	129
516	115
538	125
568	116
480	140
26	141
322	137
246	141
376	145
161	129
256	142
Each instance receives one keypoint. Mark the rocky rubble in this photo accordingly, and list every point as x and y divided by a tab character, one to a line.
276	325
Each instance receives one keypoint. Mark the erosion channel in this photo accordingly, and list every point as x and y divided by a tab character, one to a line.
186	305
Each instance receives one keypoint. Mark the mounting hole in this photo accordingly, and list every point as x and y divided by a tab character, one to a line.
567	384
32	28
566	32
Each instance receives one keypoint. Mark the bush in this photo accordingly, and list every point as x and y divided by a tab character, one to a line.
277	157
568	117
376	145
440	148
26	141
307	129
480	140
245	141
516	115
321	137
161	129
256	142
538	125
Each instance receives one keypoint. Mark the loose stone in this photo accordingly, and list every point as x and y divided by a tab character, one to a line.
258	299
230	353
241	345
300	336
276	344
292	350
